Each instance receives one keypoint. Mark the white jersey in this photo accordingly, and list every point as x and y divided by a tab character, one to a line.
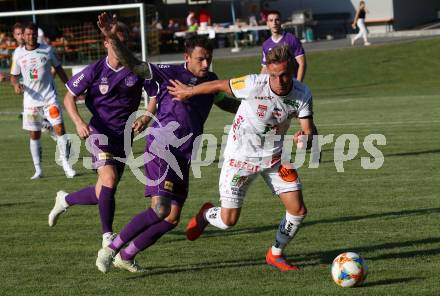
263	118
34	67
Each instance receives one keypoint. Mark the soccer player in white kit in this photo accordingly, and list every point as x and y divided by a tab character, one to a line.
40	102
269	102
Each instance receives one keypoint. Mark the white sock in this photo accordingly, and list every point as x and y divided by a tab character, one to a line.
106	235
214	218
63	143
287	230
64	203
35	147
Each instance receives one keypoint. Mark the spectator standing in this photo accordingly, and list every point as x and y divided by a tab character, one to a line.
359	21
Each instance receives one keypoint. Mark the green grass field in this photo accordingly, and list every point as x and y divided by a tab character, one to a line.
390	215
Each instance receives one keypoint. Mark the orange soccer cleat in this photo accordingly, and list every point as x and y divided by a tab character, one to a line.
197	223
279	261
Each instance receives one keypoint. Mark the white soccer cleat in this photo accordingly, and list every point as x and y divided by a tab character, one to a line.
129	265
105	259
70	173
37	175
107	239
367	43
58	208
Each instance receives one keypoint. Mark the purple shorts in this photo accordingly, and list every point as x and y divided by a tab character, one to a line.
162	179
105	154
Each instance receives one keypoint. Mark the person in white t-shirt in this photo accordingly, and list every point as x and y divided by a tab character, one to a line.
33	63
17	33
268	103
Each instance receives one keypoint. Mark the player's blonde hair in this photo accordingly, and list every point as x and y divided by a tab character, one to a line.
279	54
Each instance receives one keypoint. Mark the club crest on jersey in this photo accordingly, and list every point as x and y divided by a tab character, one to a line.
103	87
130	81
33	74
43	59
261	111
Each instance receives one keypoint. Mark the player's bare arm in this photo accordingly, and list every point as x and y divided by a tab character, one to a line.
308	129
61	73
302	67
142	122
81	126
183	92
108	27
353	25
16	84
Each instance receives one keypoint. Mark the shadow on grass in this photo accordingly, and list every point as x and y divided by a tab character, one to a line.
317	258
311	259
210	232
327	257
200	267
13	204
390	282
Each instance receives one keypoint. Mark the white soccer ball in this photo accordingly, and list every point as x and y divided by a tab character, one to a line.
349	270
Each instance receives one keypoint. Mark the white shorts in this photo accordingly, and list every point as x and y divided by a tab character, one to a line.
236	176
34	116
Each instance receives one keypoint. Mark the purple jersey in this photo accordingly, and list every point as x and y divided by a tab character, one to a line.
190	115
112	95
288	38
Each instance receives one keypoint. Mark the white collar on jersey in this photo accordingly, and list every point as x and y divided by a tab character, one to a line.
278	40
108	65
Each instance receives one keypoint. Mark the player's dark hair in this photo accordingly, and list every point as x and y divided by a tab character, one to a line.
197	41
279	54
31	26
277	12
17	26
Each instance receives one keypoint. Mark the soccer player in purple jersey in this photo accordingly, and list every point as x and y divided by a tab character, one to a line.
113	93
177	126
279	37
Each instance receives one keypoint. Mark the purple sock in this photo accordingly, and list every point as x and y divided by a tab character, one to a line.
106	205
146	239
138	224
85	196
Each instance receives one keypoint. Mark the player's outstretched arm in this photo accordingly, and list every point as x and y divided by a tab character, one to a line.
109	27
61	73
183	92
226	103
